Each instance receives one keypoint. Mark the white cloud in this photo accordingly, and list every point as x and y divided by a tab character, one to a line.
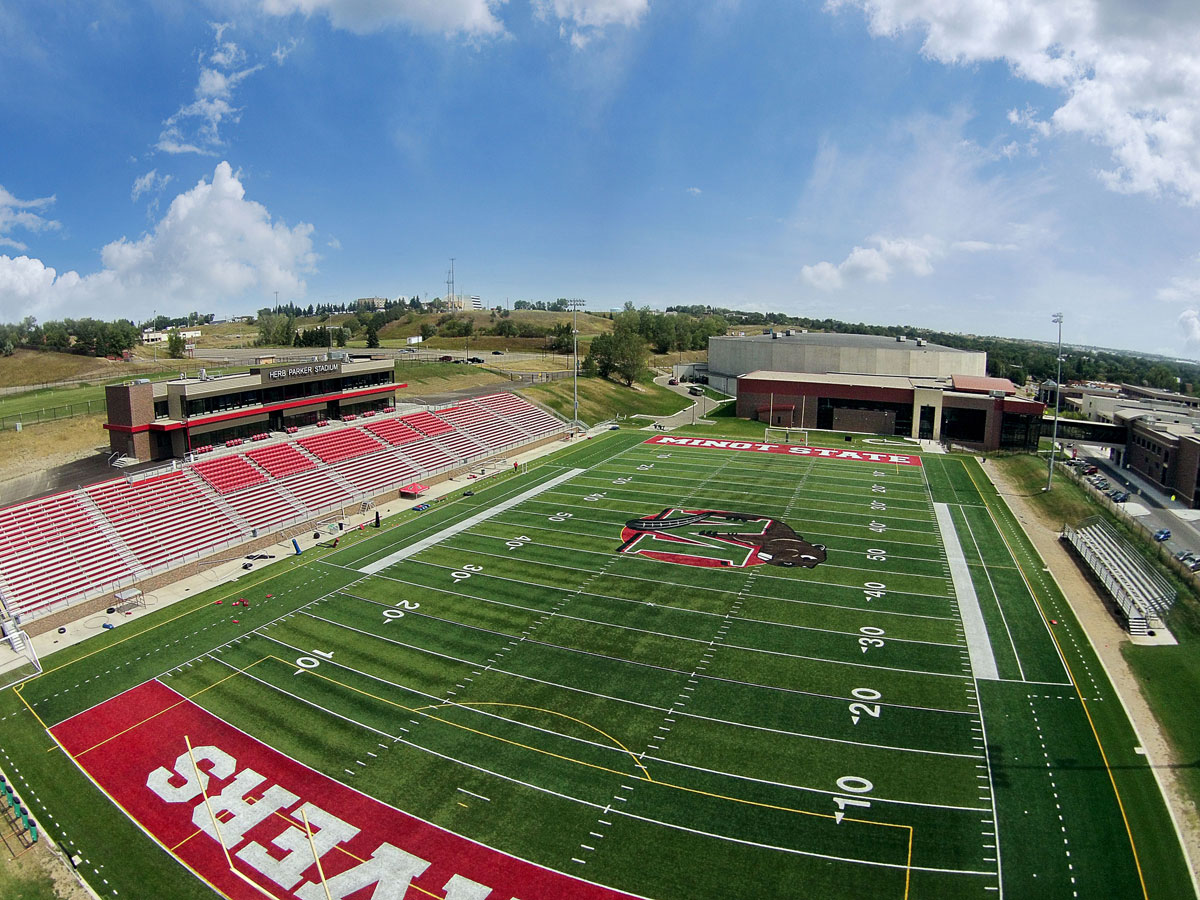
695	191
212	247
1129	70
16	213
582	20
474	18
876	264
1181	290
151	182
1189	324
334	244
196	126
280	53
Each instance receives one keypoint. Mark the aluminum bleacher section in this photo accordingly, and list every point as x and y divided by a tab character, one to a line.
59	550
1142	595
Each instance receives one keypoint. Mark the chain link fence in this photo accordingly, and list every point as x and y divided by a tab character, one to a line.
17	421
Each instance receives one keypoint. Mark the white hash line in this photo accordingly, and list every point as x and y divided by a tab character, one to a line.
451	530
612	811
650	564
609	554
610	748
612	659
526	581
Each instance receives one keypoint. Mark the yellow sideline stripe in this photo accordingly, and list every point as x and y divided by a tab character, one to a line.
1103	756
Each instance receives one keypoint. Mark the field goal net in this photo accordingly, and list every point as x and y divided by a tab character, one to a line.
773	435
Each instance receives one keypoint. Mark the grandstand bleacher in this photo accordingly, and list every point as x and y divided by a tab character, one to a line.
1143	596
58	550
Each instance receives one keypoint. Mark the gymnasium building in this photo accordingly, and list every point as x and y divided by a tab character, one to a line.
150	420
876	385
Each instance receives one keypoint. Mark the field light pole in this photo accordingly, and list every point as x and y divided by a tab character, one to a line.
575	304
1057	318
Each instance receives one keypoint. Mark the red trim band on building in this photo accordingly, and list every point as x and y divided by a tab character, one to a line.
790	449
250	411
133	748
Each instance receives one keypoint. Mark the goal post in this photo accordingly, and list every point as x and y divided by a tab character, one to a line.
776	435
26	663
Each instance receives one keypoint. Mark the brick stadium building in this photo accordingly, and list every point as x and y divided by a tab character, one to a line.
975	411
164	419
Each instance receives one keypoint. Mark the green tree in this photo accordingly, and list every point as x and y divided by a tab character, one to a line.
339	337
505	328
629	356
175	344
1162	377
372	336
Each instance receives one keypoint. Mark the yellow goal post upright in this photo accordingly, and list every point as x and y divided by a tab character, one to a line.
778	435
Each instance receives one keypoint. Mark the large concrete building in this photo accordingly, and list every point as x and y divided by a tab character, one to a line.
163	419
835	354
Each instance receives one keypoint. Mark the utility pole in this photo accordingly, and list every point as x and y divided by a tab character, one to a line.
1057	318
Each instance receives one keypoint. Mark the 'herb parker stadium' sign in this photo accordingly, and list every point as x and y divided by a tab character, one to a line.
305	370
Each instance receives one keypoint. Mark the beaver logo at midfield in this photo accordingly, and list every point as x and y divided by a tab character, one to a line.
714	538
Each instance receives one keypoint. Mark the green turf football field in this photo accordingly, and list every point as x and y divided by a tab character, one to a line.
672	720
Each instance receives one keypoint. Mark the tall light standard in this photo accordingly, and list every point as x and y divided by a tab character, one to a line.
575	303
1057	318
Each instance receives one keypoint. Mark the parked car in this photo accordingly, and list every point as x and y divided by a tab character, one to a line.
1162	534
1090	470
446	358
421	507
1194	564
475	359
1119	496
673	381
497	353
1183	555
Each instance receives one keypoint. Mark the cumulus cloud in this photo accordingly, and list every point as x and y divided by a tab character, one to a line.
212	246
196	126
473	18
877	263
15	213
582	20
695	191
1129	72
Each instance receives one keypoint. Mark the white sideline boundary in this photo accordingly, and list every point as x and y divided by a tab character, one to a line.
979	648
471	521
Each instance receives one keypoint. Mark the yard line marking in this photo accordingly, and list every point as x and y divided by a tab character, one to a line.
473	794
645	665
451	530
983	663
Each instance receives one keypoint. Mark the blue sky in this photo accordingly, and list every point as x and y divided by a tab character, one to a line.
972	165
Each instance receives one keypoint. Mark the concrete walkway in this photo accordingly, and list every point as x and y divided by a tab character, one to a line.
692	415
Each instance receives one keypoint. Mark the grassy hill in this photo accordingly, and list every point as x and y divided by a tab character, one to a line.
601	399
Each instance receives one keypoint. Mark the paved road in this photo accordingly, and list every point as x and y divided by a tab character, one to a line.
1185	535
701	407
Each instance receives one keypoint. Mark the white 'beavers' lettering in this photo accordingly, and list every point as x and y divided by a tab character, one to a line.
390	869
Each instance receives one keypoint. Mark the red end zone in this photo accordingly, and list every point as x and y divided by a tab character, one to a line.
898	459
133	747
